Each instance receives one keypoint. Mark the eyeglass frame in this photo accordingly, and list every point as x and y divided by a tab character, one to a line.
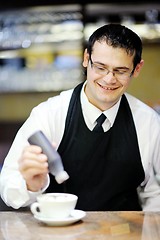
107	71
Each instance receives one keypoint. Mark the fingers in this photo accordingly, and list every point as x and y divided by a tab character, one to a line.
33	156
36	183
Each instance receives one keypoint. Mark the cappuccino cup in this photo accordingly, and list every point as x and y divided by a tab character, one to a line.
54	205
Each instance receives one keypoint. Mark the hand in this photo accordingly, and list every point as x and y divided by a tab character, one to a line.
33	165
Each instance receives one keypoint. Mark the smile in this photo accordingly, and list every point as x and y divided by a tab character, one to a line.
106	88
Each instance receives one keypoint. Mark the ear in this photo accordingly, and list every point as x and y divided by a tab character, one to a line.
85	58
138	68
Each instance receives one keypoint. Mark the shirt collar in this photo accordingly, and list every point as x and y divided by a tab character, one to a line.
91	113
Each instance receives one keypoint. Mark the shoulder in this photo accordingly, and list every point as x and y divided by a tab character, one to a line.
58	102
50	115
137	105
142	112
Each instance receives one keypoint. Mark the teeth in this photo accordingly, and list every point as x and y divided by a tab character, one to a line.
108	88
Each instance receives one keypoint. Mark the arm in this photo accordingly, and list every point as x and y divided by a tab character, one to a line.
19	188
149	191
147	123
18	176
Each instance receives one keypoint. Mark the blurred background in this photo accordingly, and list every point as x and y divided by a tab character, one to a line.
41	48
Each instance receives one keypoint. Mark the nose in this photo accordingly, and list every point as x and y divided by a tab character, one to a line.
109	78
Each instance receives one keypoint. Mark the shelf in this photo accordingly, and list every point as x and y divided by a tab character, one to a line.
42	47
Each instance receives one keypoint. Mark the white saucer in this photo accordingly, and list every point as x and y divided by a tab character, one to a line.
75	216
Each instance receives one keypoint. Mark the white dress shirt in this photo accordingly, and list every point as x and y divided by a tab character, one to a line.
50	116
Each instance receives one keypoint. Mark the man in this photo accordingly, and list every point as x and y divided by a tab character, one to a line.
113	169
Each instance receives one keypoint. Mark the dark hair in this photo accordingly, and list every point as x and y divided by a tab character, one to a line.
118	36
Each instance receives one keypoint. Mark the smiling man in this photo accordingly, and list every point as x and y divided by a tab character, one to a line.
110	170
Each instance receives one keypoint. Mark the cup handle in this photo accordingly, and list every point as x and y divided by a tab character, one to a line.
35	209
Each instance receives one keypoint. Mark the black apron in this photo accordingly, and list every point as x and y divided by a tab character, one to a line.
105	169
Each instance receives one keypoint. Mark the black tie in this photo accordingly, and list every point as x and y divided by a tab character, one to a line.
100	120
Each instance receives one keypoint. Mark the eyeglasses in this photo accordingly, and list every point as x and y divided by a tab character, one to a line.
119	74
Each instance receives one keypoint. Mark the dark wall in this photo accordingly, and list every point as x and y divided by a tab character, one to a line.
28	3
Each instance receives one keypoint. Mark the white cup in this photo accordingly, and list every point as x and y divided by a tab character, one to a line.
54	205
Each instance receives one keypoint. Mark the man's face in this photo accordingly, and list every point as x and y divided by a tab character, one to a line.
104	88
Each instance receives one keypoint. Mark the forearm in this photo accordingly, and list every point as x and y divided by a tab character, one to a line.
150	196
14	191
